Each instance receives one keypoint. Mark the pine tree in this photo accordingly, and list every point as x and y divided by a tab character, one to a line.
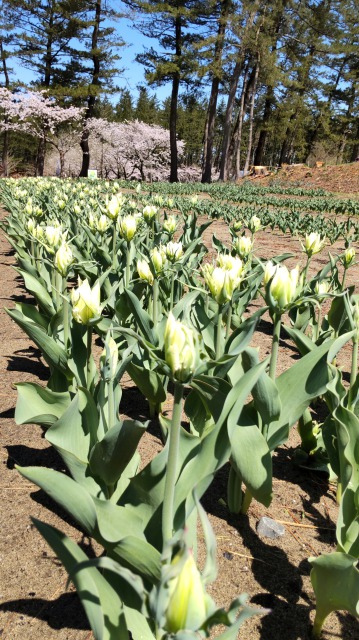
175	26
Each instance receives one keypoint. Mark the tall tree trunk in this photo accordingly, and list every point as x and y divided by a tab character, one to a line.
40	157
5	148
212	105
251	117
225	161
237	134
269	102
174	104
355	150
91	100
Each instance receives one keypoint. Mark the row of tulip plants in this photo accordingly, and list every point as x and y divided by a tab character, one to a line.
133	270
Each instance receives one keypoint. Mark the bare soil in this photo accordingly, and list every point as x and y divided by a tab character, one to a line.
342	179
274	573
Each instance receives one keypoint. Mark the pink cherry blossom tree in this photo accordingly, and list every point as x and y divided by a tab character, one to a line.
38	115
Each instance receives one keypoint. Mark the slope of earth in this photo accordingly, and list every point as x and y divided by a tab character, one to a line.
343	179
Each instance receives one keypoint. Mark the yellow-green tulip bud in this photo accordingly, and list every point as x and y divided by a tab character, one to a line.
170	224
187	606
31	224
86	305
102	224
269	271
348	258
53	236
158	258
63	259
313	244
127	227
181	349
321	288
254	224
174	251
283	287
149	212
38	212
109	356
29	207
144	271
219	282
114	206
243	246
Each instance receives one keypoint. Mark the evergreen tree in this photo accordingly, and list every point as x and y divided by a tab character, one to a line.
174	24
124	109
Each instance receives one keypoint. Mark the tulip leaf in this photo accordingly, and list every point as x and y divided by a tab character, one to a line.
70	495
303	343
149	383
335	580
250	454
54	354
39	405
140	556
110	456
141	317
305	380
43	298
99	598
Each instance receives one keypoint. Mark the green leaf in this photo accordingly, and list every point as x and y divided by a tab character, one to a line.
305	380
335	581
102	604
66	492
53	353
39	405
110	456
141	317
149	383
41	294
250	454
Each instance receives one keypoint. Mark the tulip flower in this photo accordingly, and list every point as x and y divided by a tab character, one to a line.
181	349
53	236
174	251
188	602
149	212
63	259
243	246
254	224
170	224
86	306
158	257
283	287
313	244
144	271
348	258
114	206
127	227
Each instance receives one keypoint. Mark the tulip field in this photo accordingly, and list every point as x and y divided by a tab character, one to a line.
186	363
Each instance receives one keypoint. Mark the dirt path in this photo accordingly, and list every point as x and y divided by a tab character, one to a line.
275	574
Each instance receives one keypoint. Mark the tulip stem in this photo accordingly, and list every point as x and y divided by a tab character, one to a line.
65	312
155	302
172	290
275	345
128	264
171	472
219	332
114	246
88	356
229	319
319	322
246	501
111	406
344	277
354	372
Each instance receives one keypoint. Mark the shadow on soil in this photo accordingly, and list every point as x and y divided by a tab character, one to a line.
63	613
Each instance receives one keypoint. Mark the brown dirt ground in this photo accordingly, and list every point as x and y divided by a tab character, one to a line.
275	574
342	179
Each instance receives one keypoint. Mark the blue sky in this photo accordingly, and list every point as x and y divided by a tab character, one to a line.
133	73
